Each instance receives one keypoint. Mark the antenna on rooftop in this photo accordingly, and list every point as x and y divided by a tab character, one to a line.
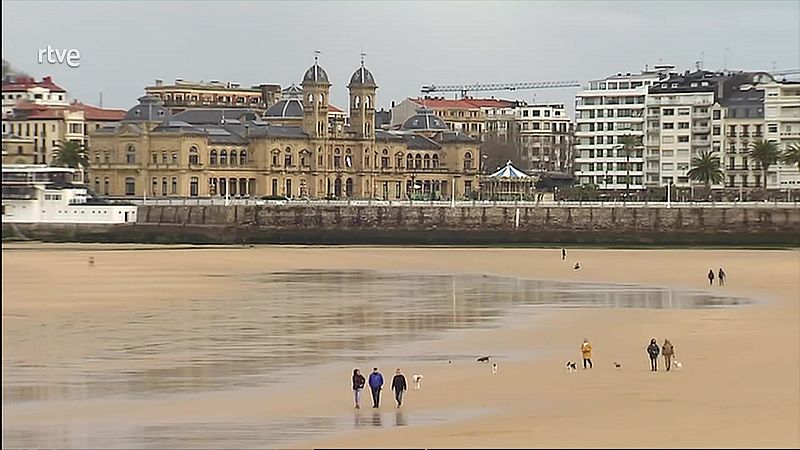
101	99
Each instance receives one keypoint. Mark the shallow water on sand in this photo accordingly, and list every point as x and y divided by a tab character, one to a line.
287	322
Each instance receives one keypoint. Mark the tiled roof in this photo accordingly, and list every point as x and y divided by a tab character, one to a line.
94	113
31	110
464	103
22	84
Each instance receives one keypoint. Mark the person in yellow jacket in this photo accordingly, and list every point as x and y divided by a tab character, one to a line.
586	352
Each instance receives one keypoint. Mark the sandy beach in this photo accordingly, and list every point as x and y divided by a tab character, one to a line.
739	385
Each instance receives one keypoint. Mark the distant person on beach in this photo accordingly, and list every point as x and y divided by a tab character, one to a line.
563	254
721	277
653	351
399	386
358	385
91	261
586	352
577	266
375	385
711	277
668	351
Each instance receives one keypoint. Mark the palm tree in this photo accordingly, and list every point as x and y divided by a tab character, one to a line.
70	154
765	154
791	155
706	168
628	145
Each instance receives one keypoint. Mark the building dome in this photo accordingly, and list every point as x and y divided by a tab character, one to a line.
149	109
424	120
287	108
316	74
362	77
293	91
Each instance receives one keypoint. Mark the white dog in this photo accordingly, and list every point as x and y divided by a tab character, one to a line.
572	367
494	369
678	365
417	381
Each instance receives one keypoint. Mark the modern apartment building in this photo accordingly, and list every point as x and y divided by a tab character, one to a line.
543	134
605	112
782	124
183	95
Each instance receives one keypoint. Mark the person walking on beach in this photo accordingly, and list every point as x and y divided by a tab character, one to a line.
653	351
563	254
668	351
358	385
375	385
586	352
711	277
721	277
399	386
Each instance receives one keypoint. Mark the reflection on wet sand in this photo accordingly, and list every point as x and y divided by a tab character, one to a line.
287	322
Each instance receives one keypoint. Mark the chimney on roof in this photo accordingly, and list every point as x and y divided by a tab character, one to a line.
392	103
47	79
159	82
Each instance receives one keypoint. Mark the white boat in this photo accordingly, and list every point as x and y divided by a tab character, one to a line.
42	194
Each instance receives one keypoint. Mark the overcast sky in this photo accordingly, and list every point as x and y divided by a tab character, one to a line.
124	46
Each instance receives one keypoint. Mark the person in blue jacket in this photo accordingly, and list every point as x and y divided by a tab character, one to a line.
376	384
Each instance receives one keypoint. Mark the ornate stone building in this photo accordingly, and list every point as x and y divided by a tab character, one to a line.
300	148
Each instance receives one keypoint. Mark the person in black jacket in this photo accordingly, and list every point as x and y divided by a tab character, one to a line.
358	385
653	351
399	386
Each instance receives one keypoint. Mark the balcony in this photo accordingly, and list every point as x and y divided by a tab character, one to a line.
701	129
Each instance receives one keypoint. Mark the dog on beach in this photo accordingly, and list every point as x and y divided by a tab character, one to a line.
678	365
572	366
417	381
617	365
494	369
483	359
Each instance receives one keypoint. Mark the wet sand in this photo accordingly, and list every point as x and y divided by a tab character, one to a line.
739	386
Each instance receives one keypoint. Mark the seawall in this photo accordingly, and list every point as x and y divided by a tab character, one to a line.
463	225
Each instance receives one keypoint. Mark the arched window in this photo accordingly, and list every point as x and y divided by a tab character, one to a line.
435	161
223	158
467	161
368	101
243	158
233	157
96	184
427	160
106	185
356	101
288	158
276	154
398	160
193	187
130	155
212	157
130	186
348	187
409	161
310	99
194	156
321	99
418	161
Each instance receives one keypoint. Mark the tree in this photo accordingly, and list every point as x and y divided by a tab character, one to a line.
791	155
70	154
497	154
706	168
765	154
628	145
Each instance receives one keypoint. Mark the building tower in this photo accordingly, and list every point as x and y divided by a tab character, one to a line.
316	88
362	102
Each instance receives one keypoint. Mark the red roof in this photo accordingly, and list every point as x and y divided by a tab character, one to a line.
37	111
463	103
94	113
22	84
334	109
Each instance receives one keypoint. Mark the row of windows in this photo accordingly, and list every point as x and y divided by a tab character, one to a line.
130	185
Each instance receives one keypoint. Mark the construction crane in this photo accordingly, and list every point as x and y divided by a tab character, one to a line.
464	88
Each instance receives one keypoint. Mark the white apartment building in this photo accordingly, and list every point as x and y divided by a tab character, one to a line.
782	124
543	133
605	112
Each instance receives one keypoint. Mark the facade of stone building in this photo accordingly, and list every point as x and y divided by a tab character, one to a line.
301	148
183	95
18	150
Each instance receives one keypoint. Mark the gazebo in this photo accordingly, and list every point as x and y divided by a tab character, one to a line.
508	183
